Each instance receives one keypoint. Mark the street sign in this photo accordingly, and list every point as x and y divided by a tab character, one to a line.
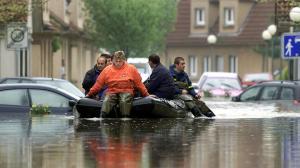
16	36
290	45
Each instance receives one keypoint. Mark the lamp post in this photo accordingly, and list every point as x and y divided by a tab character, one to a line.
211	39
293	68
272	30
266	35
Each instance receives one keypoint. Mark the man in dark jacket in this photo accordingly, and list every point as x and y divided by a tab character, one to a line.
92	75
185	91
160	82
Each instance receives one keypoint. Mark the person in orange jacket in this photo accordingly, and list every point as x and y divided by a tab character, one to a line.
121	79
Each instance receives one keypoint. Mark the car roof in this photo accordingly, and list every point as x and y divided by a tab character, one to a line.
33	78
137	60
220	74
36	86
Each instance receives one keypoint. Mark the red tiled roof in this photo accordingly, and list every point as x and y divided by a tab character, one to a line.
249	34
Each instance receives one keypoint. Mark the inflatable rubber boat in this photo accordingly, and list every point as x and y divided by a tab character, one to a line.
142	107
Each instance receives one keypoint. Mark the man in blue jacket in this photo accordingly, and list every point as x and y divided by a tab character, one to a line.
185	91
160	82
92	75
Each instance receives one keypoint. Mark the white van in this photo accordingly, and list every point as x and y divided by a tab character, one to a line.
142	65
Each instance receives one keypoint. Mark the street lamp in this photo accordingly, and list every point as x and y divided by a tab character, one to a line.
295	14
272	30
295	17
266	35
211	39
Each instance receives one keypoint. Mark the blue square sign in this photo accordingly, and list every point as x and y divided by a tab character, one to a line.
290	45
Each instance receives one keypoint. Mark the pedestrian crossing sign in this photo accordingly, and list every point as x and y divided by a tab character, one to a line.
290	45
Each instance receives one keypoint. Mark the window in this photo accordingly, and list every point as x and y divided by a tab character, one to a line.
14	97
250	94
200	17
233	66
206	64
219	63
8	81
228	16
52	99
269	93
287	94
193	65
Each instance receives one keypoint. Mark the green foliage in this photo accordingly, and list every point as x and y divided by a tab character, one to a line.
138	27
13	10
284	74
56	43
16	10
39	109
266	49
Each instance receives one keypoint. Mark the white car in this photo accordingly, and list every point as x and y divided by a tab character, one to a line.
142	65
219	84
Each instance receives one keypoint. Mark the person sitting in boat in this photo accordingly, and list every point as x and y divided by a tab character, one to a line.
92	75
185	91
121	78
160	82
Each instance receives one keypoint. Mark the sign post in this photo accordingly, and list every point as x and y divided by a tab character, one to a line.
17	36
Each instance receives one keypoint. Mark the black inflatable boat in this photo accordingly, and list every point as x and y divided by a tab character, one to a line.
146	107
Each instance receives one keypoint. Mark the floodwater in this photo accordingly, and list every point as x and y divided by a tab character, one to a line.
242	135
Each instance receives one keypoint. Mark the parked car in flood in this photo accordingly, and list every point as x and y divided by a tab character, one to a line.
142	66
60	83
219	84
284	93
19	98
254	78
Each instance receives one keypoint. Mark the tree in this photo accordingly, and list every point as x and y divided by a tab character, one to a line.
15	10
138	27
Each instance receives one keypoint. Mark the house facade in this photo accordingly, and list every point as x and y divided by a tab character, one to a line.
61	48
237	26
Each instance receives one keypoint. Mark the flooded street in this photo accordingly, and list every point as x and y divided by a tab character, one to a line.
242	135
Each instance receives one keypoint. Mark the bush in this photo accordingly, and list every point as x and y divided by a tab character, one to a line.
39	109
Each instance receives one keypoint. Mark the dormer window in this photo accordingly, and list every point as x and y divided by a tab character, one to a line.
228	17
200	17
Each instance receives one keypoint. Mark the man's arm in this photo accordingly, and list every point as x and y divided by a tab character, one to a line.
87	81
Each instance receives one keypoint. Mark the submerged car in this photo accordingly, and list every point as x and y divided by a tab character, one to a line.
219	84
284	93
60	83
19	98
254	78
142	66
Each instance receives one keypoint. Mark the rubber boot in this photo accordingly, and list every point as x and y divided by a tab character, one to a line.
196	112
103	114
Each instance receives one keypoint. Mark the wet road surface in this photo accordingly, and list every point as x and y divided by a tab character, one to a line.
242	135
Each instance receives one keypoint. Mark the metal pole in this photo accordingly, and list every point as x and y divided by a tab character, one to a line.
272	54
290	64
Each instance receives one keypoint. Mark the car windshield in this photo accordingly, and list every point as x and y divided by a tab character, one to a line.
144	70
224	83
257	77
65	85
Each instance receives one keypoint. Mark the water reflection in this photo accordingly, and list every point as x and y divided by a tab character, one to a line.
60	141
141	143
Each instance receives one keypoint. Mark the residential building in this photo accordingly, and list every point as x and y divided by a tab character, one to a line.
238	27
61	48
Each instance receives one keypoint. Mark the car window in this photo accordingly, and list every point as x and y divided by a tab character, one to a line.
14	97
65	85
8	81
226	83
287	93
269	93
51	99
27	81
250	94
